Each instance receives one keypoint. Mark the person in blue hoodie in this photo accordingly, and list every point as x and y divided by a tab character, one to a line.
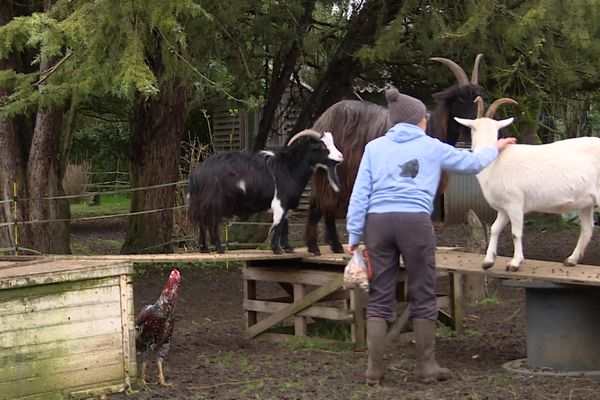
391	204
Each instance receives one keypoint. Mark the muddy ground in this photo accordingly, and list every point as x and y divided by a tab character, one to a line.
210	358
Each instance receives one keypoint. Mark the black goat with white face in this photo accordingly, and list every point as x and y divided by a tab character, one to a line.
238	184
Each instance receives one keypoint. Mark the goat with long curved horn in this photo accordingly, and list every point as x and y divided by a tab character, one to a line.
458	72
475	72
307	132
479	101
497	103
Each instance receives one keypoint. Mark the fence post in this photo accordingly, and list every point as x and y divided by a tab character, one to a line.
15	218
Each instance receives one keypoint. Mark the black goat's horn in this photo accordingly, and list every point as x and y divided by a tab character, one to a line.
459	73
306	132
494	106
475	72
479	101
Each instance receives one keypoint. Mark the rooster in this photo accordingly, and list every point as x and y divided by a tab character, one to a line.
154	327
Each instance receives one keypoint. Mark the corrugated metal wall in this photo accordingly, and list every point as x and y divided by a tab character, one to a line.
464	193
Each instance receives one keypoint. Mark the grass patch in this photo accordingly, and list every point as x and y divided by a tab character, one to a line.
109	205
491	300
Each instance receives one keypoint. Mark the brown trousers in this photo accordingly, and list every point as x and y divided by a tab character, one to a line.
411	235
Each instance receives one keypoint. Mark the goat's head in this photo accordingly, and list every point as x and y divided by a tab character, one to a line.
323	154
484	129
456	101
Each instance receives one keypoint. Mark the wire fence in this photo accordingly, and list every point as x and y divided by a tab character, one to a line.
16	224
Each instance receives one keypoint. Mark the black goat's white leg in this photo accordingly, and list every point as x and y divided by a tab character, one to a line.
311	234
215	240
332	235
586	220
202	240
285	242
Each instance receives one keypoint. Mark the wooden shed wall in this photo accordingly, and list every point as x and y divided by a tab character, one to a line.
66	339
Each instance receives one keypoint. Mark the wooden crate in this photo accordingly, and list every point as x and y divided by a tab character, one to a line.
66	328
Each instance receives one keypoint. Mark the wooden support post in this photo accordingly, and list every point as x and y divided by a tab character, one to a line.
250	294
358	327
456	300
299	321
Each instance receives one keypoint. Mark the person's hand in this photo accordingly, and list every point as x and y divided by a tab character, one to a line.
501	144
350	248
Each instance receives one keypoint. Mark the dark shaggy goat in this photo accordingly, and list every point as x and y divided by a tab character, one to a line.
237	183
357	122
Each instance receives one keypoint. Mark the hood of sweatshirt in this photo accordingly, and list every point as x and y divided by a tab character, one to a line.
403	132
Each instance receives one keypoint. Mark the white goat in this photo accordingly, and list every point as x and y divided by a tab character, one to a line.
552	178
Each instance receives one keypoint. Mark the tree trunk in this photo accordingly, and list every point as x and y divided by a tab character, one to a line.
43	182
362	30
157	131
281	78
11	166
31	167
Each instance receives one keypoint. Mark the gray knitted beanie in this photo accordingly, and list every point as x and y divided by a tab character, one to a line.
403	108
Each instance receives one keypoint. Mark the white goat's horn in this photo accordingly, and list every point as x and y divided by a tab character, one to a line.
475	72
494	106
479	101
459	73
306	132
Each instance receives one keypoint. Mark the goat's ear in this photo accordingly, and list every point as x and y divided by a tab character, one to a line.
505	122
463	121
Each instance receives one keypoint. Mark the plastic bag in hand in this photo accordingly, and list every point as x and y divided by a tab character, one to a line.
355	273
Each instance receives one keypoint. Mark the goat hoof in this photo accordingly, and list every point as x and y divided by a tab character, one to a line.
487	265
314	250
337	248
221	251
288	249
568	263
512	268
277	251
204	250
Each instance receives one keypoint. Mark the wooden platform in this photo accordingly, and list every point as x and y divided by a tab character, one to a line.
299	271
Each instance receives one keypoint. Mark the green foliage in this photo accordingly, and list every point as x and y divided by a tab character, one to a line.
108	48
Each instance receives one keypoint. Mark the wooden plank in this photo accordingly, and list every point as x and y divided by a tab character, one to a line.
234	255
456	307
61	271
23	371
250	295
295	307
337	314
65	332
304	276
299	320
36	299
59	316
401	320
75	347
98	392
128	330
61	382
359	327
470	263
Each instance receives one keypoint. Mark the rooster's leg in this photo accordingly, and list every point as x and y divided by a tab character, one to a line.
161	376
144	363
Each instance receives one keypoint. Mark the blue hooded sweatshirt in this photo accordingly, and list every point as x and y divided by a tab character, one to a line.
400	172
